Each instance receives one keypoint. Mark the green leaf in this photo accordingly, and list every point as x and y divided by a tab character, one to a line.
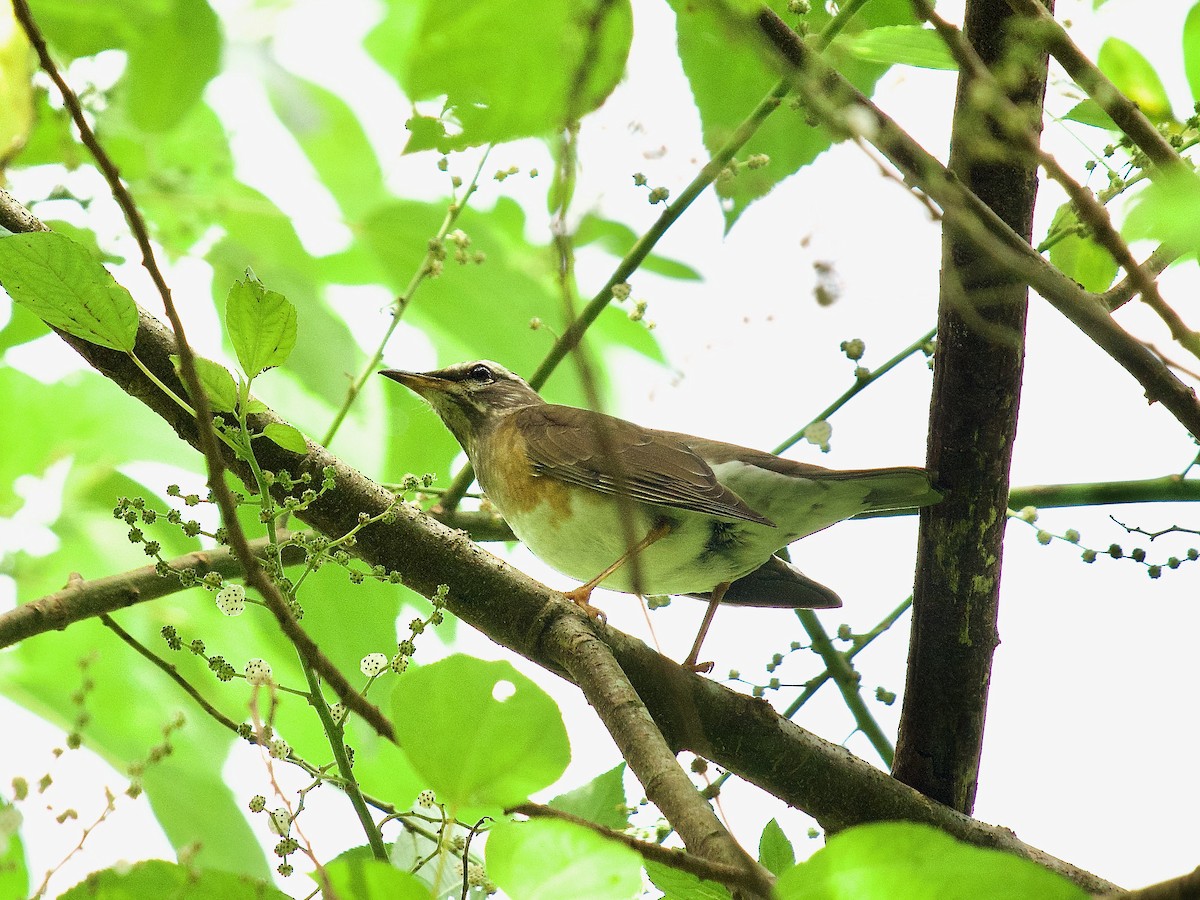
286	436
678	885
1079	256
14	873
1191	50
906	861
17	65
1168	211
22	327
1089	112
158	90
356	878
601	800
906	45
618	239
483	734
775	850
261	325
65	286
547	859
159	878
1135	78
217	383
332	138
498	84
729	78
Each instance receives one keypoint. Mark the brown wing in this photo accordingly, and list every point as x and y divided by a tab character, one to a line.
896	487
600	452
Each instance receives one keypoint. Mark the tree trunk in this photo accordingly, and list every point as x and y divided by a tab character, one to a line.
976	392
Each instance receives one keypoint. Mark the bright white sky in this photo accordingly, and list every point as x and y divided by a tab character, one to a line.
1090	744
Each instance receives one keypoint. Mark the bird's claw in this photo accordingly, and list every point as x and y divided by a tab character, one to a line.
581	597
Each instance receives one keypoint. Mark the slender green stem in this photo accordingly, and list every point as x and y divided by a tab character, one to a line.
402	302
333	733
814	684
845	678
836	25
860	643
859	386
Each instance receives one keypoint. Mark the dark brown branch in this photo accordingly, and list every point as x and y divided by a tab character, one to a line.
737	733
80	599
829	96
1123	111
973	419
590	663
1185	887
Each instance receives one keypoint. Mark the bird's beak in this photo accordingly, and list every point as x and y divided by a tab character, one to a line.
417	382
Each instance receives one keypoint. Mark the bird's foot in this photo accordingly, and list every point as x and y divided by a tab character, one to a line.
700	668
581	597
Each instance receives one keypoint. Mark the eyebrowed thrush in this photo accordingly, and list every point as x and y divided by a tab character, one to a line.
703	517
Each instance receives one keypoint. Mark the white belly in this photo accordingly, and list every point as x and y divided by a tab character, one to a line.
699	553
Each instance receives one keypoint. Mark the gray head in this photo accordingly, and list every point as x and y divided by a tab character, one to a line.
469	395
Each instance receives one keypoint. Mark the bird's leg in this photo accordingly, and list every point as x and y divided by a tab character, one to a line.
690	663
581	595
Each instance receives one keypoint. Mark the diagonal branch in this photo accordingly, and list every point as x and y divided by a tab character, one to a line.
844	109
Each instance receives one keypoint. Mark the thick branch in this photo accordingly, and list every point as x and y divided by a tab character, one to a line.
737	733
973	419
591	665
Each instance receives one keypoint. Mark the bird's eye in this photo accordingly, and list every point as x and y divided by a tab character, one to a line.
482	374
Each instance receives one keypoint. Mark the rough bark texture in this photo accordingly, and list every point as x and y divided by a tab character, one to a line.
976	391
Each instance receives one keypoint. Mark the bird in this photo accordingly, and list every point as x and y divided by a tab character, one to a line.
638	510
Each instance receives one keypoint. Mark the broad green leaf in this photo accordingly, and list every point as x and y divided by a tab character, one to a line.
1191	50
601	800
158	90
547	859
17	66
498	83
679	885
332	138
906	45
1134	77
159	878
618	239
22	327
775	850
64	285
906	861
729	77
481	733
156	35
14	873
356	878
87	434
1168	210
1079	256
217	383
261	325
1089	112
286	436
